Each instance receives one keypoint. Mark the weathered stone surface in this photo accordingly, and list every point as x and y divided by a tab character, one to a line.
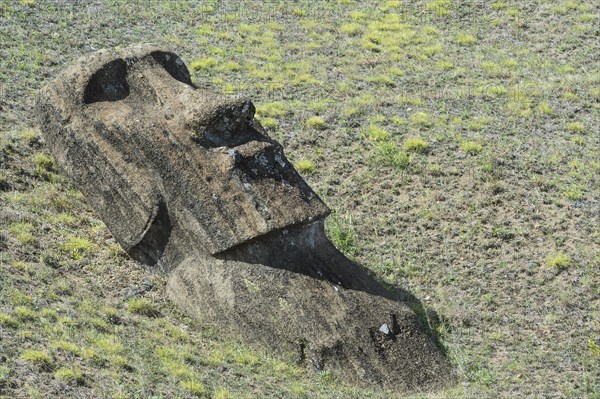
157	157
190	184
295	292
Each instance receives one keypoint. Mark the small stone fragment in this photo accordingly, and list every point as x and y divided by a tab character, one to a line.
385	329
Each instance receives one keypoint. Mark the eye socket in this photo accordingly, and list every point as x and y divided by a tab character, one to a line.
174	66
109	83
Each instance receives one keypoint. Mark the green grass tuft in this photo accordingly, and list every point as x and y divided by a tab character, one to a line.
29	136
576	127
381	80
72	375
573	193
269	123
579	140
272	109
305	166
415	144
25	314
142	306
545	109
7	320
421	119
230	66
203	64
341	233
558	261
22	231
351	28
465	39
223	393
66	347
44	164
377	133
194	387
38	358
316	122
77	247
389	155
471	147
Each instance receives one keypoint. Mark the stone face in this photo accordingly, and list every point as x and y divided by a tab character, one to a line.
190	184
166	165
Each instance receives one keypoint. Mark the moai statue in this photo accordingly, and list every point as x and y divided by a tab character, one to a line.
190	184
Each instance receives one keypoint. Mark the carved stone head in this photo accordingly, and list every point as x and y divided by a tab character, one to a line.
169	167
188	181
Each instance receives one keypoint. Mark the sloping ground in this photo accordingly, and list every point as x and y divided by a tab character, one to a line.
458	144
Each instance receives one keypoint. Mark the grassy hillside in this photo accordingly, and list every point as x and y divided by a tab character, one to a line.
458	144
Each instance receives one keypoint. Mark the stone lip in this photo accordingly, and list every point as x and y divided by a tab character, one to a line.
153	152
190	184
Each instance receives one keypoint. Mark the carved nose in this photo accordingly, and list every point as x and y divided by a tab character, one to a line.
228	124
233	117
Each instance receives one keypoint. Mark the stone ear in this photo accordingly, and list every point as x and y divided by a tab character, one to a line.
155	236
101	162
109	83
